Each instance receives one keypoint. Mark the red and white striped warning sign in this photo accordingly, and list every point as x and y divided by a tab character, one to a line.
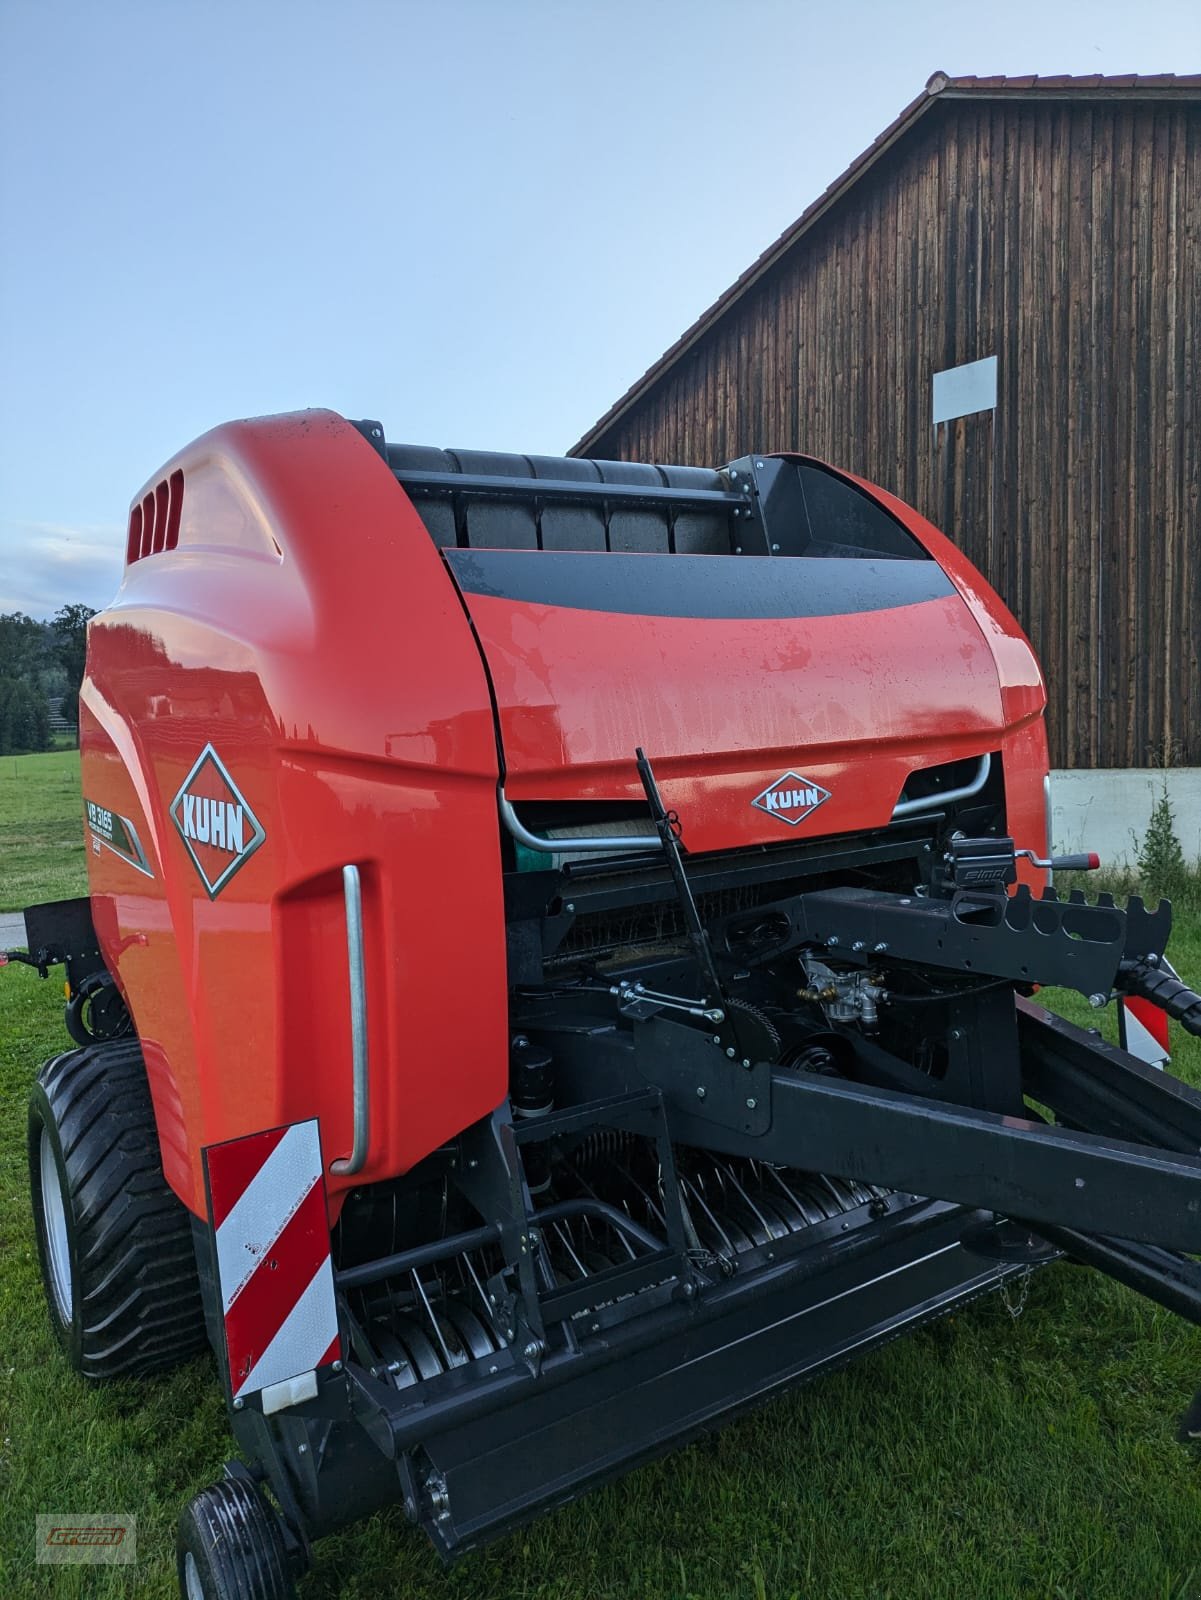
267	1205
1143	1031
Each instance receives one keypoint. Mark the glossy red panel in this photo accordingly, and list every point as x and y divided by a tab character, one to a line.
303	629
724	706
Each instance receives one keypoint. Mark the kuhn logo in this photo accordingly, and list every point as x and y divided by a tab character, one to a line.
791	798
219	830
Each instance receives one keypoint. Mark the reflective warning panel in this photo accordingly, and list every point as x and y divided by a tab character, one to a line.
267	1207
1143	1030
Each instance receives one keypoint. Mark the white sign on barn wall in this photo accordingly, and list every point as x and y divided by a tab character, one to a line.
960	391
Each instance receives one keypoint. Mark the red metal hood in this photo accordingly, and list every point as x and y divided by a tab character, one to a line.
837	675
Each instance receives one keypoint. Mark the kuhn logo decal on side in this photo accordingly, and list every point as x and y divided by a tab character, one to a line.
791	798
219	830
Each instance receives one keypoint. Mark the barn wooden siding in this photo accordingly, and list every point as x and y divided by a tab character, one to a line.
1065	238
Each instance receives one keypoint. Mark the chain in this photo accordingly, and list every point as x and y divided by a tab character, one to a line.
1014	1300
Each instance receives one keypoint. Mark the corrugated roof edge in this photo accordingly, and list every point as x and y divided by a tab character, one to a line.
940	85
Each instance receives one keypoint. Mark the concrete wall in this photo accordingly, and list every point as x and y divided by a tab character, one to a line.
1107	810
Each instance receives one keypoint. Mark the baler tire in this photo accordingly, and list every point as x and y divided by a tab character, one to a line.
114	1241
230	1546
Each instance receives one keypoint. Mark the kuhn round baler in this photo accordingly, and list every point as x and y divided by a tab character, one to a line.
557	970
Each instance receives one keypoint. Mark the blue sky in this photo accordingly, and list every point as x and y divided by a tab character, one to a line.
479	222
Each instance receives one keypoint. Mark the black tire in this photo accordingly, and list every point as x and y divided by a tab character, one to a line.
230	1546
114	1242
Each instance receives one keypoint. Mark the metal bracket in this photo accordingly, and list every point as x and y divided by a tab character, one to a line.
492	1177
1069	943
698	1078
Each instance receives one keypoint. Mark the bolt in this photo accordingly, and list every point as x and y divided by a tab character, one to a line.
337	1366
532	1349
1098	1000
859	945
955	1033
1152	961
701	1091
751	1103
570	906
302	1449
832	940
746	1063
717	1038
879	949
758	463
731	1052
238	1404
733	474
775	549
472	1164
737	549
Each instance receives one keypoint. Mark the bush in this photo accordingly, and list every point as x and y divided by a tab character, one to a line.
1161	864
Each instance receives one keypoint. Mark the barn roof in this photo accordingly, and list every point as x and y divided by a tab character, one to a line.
940	87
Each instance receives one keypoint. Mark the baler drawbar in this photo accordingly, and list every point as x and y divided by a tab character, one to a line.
562	951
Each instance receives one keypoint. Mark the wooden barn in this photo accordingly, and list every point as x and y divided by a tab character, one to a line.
996	313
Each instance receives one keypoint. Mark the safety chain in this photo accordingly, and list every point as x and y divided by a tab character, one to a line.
1014	1300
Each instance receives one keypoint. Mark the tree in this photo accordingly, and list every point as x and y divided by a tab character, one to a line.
24	717
23	647
70	626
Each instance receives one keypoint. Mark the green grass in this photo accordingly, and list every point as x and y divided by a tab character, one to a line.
41	829
984	1458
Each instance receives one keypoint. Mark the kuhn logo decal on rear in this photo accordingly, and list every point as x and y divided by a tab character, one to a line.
219	830
791	798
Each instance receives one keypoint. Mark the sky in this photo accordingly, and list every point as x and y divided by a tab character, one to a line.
478	221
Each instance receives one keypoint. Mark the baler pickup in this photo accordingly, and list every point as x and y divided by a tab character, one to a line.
671	1251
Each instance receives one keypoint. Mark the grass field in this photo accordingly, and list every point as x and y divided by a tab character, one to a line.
984	1458
41	829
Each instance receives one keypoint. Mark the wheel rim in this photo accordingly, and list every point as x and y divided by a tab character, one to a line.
54	1217
191	1577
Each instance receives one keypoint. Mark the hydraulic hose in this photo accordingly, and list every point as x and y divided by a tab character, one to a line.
1160	985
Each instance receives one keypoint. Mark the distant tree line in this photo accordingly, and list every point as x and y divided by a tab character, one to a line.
40	662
